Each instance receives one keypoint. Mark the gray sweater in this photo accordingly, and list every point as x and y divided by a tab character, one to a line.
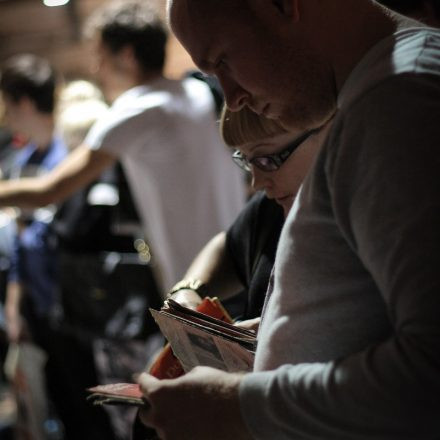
349	346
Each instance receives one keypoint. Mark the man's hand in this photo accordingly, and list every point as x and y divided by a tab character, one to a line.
200	405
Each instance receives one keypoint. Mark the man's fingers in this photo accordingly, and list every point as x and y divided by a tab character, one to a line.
148	383
148	415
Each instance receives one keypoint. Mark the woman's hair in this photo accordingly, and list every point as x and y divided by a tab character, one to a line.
244	126
80	105
78	90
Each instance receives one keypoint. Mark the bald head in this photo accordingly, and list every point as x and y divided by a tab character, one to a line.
202	7
285	59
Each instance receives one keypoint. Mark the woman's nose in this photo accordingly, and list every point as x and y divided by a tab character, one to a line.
260	179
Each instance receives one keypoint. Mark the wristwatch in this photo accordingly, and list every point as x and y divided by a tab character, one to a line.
191	284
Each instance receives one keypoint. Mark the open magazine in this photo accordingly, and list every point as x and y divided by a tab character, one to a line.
199	339
205	336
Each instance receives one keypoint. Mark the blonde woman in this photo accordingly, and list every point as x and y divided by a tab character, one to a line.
235	265
239	261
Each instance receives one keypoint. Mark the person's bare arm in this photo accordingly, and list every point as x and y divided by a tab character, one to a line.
212	266
13	319
82	166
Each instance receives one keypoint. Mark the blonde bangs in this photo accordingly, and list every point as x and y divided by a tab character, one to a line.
245	126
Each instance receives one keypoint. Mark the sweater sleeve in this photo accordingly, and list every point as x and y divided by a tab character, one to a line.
384	185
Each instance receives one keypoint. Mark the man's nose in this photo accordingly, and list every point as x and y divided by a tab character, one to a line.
235	96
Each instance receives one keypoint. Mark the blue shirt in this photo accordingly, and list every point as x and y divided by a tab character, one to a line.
33	260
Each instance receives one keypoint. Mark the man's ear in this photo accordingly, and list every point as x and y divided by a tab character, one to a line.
289	8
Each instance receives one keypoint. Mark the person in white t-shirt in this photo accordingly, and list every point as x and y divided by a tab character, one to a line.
184	184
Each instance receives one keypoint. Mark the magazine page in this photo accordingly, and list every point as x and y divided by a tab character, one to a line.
194	344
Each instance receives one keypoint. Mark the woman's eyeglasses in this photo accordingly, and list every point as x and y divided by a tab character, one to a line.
272	162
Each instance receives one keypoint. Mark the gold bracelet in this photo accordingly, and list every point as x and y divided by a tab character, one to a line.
191	284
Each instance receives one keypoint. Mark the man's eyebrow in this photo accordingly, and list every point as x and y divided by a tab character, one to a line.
203	57
203	64
203	61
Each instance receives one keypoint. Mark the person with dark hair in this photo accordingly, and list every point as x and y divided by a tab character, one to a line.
28	85
119	28
348	343
163	132
27	76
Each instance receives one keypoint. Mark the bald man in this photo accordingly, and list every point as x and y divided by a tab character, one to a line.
348	345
